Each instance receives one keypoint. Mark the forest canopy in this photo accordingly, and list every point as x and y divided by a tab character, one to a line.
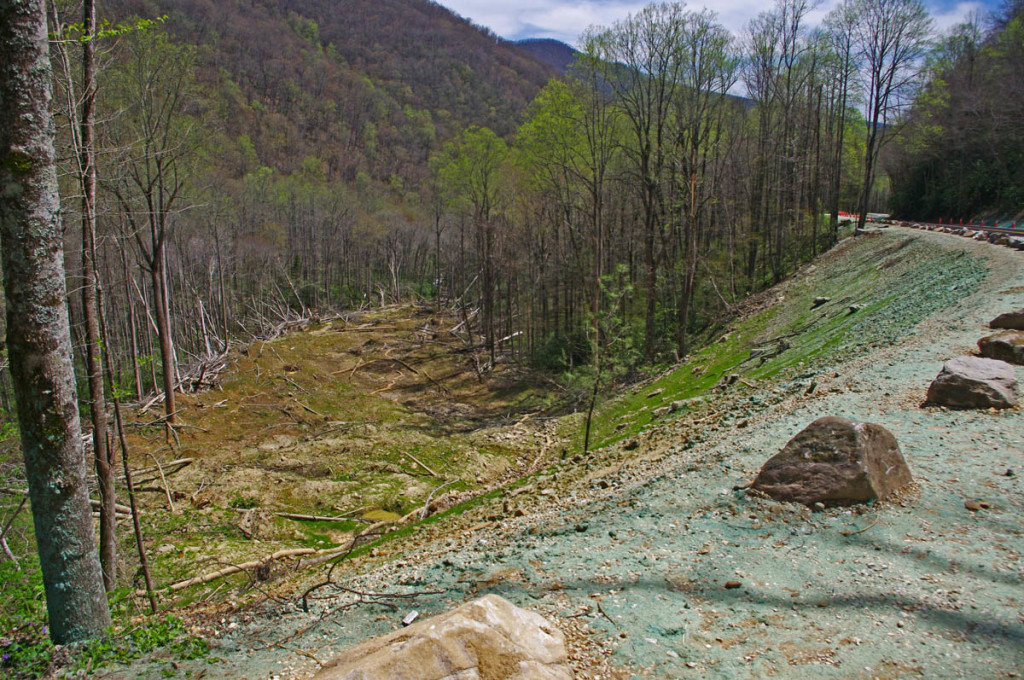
962	153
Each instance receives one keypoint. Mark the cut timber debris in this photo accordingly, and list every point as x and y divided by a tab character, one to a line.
168	469
319	518
237	569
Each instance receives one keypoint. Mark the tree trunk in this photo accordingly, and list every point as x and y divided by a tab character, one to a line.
38	332
90	284
163	329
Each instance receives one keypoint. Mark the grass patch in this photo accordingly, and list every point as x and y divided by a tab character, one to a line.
880	288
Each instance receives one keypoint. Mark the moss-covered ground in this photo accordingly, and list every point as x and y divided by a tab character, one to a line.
877	290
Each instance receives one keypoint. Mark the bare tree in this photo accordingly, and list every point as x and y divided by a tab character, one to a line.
38	332
83	109
840	67
643	67
891	38
156	140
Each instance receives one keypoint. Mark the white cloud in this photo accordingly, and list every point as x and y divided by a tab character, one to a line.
566	20
945	19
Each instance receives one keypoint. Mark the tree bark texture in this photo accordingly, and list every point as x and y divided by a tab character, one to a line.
38	333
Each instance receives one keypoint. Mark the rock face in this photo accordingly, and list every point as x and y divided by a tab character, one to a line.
835	461
1010	320
1005	346
486	639
973	382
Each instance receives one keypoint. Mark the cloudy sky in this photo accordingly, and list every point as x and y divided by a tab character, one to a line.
565	20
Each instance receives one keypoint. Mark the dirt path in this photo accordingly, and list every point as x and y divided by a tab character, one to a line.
632	551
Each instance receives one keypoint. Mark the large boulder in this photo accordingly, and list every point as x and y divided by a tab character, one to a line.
835	461
974	382
485	639
1005	346
1010	320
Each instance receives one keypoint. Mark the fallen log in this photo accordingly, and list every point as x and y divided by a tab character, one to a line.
121	509
319	518
421	463
118	508
169	469
235	569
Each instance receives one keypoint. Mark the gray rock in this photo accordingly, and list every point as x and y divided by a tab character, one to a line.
485	639
1005	346
835	461
1009	320
974	382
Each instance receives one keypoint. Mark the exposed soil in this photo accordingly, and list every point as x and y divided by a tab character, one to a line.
656	565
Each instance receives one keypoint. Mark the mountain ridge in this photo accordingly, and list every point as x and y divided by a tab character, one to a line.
370	86
555	53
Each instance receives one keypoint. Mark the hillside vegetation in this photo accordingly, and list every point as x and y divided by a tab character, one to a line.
359	273
339	438
962	155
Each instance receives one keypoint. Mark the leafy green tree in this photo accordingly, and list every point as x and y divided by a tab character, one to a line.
470	168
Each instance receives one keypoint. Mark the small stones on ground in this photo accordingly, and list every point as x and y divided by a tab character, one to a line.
819	301
977	504
410	617
655	393
732	585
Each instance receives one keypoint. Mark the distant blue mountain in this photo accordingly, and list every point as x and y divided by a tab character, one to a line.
554	53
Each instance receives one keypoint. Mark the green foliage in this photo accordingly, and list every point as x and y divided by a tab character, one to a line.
76	32
169	634
244	502
560	352
307	29
468	167
8	430
962	154
25	647
28	653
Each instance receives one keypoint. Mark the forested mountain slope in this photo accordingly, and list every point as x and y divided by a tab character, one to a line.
365	85
963	152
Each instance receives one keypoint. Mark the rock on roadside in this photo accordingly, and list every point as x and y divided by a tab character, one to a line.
1009	320
488	638
1005	346
973	382
835	461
